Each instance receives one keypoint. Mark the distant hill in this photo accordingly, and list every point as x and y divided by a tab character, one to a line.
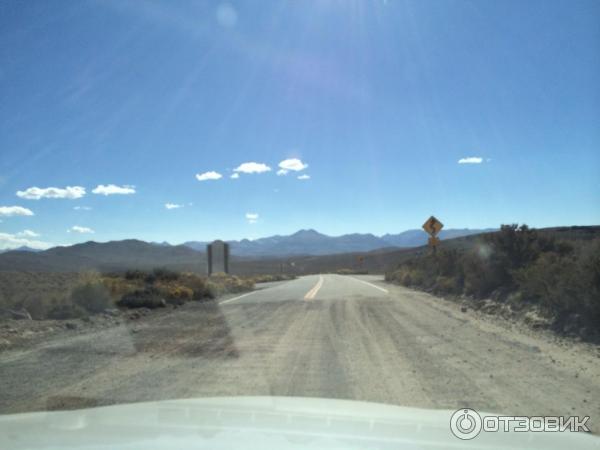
114	255
131	253
378	261
416	238
311	242
23	248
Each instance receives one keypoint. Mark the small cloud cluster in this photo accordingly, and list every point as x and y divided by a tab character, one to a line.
113	189
304	177
9	211
73	192
82	208
252	217
173	206
36	193
80	230
293	164
471	160
11	241
212	175
252	167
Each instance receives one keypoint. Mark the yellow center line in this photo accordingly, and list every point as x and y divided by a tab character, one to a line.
311	294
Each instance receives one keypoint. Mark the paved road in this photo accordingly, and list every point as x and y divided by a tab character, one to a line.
323	335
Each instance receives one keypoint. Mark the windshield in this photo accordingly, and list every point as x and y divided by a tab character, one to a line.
384	201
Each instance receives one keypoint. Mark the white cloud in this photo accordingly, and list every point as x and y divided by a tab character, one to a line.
35	193
11	241
252	167
235	176
252	217
292	164
8	211
471	160
281	172
82	208
173	206
78	229
27	233
212	175
113	189
304	177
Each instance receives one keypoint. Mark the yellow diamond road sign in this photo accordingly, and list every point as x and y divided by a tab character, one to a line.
433	226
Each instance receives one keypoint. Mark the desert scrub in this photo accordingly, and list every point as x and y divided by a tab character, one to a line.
561	278
266	278
197	284
174	293
352	272
220	284
149	297
92	296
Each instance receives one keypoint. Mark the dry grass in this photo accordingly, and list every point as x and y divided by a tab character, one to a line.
70	295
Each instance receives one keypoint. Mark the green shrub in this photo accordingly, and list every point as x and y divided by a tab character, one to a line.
198	285
135	275
149	297
483	273
223	284
162	274
91	296
447	285
176	294
35	306
565	284
65	311
352	271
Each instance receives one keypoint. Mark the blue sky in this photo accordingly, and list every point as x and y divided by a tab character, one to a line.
375	101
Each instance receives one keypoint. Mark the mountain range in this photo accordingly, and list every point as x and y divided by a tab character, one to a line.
311	242
307	251
132	253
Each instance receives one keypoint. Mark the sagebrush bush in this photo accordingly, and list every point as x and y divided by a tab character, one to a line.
198	285
447	285
222	284
92	296
564	282
135	275
161	274
149	297
65	311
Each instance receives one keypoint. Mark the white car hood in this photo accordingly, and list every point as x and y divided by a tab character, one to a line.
259	423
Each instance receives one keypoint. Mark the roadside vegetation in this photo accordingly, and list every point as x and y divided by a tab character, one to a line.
551	282
268	278
351	272
25	295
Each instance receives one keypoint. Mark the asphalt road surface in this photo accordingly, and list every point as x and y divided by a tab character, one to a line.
318	336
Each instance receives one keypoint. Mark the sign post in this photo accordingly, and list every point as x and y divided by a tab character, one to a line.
218	257
432	226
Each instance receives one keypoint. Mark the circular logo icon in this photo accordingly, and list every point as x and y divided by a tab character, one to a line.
465	424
